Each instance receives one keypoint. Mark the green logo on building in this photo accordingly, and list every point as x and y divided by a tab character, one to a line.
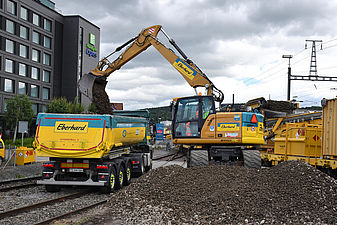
92	39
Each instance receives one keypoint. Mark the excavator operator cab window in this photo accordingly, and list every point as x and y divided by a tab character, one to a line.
190	115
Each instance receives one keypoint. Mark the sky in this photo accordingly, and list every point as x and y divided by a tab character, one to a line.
238	44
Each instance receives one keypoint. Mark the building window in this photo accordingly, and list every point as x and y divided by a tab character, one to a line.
9	86
36	37
22	88
23	51
46	59
23	32
36	19
47	42
9	66
35	73
35	55
9	46
46	76
34	107
24	13
34	91
47	25
11	7
22	69
10	26
43	108
45	93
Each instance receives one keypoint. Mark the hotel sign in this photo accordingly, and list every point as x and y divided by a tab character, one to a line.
91	50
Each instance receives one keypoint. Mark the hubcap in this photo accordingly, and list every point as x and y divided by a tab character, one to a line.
121	177
112	181
128	173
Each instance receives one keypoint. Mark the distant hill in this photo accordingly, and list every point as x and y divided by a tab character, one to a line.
158	114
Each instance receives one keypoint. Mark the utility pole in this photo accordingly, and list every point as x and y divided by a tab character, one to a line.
289	74
313	62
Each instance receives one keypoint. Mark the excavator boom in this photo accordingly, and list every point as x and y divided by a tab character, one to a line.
147	37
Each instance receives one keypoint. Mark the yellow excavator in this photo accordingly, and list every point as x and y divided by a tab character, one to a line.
211	136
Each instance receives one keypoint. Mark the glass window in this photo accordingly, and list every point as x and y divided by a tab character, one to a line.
22	88
23	51
24	13
9	86
47	25
187	117
45	93
9	46
22	69
46	59
34	91
11	7
9	66
35	73
36	19
43	109
23	32
47	42
46	76
10	26
34	107
36	37
35	55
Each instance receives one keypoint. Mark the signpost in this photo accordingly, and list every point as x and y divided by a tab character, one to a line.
23	128
159	132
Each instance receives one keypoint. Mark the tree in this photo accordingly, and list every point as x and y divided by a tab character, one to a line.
18	109
61	105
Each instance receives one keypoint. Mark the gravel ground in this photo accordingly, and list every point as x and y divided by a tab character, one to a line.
292	192
27	170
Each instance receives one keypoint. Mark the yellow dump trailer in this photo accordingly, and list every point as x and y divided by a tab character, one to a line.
92	150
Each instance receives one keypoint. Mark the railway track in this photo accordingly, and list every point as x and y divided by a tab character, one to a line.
19	183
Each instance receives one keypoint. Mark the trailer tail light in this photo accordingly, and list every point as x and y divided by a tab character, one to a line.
48	165
253	119
135	162
102	167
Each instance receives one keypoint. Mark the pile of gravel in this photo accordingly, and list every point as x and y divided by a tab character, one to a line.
292	192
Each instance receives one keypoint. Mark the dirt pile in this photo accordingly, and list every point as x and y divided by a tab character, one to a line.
101	98
292	192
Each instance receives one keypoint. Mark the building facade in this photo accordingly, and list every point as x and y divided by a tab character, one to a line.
43	54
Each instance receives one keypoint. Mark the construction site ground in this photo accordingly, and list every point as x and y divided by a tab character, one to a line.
292	192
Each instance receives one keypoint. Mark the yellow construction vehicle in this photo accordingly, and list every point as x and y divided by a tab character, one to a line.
211	136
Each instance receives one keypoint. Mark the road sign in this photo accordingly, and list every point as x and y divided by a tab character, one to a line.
23	127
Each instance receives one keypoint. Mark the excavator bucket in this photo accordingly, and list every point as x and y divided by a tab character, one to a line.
87	82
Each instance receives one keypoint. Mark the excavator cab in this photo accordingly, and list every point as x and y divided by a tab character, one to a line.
189	115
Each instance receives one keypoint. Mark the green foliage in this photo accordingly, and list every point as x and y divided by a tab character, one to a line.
75	107
18	108
160	114
61	105
27	142
92	108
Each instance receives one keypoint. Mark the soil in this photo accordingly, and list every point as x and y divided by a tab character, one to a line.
101	98
280	106
292	192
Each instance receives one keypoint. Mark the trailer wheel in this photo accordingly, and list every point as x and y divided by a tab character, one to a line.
1	160
52	188
197	158
127	174
142	169
111	183
120	176
251	159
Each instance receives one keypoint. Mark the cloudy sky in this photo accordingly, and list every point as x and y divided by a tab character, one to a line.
238	43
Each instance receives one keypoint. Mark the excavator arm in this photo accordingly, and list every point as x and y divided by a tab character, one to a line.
147	37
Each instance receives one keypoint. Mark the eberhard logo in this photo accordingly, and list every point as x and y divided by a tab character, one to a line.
184	69
71	127
228	126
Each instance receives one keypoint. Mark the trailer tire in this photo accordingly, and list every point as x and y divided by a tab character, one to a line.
1	160
251	159
120	176
52	188
111	183
197	158
127	174
142	169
